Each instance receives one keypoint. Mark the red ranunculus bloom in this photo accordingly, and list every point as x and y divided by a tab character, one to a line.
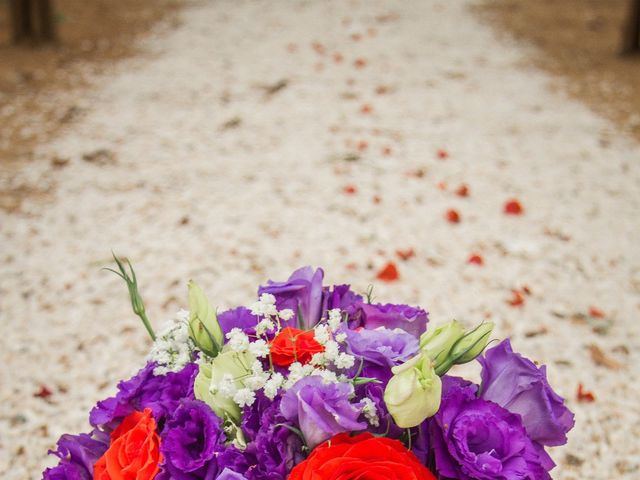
134	453
294	345
361	456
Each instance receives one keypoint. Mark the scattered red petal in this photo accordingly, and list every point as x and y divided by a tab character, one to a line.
350	189
44	392
517	299
463	190
366	108
595	312
360	63
372	31
377	199
453	216
405	254
382	89
476	259
292	47
443	154
526	290
389	273
318	47
513	207
386	151
363	145
584	396
442	186
337	57
356	37
351	266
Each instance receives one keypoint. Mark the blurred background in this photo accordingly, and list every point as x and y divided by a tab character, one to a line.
479	158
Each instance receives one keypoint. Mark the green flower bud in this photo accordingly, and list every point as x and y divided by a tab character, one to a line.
217	380
414	392
472	344
204	328
437	343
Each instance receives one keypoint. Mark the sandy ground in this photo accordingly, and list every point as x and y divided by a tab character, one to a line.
227	155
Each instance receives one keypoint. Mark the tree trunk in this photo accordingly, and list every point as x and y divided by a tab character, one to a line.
32	21
631	32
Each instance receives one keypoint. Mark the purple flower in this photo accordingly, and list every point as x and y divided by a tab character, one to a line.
302	293
343	298
473	438
240	317
161	393
78	454
386	425
412	320
191	437
515	383
382	346
321	410
274	449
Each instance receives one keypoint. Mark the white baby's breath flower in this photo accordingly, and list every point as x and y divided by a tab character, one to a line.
321	334
244	397
370	412
264	326
267	299
335	317
327	375
341	337
226	386
238	340
286	314
331	350
172	348
182	315
259	348
272	385
344	361
318	359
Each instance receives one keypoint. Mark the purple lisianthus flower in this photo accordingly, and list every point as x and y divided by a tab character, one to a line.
161	393
410	319
343	298
274	449
473	438
78	454
240	317
382	346
515	383
302	293
190	439
321	410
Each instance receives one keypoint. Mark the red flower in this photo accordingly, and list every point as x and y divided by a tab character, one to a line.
294	345
453	216
134	453
389	273
362	456
513	207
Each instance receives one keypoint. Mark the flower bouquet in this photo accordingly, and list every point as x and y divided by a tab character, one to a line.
312	383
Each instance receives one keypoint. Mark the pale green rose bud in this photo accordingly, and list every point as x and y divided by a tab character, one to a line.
472	344
414	392
216	381
204	328
437	343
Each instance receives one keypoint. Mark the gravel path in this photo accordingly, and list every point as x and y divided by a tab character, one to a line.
261	136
